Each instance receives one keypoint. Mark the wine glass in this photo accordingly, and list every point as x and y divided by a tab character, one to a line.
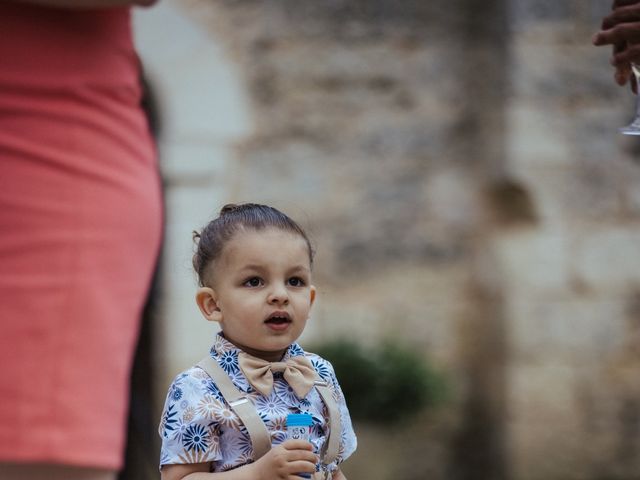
634	127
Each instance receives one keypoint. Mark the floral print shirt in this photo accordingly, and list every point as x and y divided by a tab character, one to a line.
198	425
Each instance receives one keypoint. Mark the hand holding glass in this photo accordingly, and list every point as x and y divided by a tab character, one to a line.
634	127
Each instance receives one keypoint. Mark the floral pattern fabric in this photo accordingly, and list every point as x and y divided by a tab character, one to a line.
198	425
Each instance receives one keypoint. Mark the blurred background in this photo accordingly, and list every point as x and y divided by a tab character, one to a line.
475	212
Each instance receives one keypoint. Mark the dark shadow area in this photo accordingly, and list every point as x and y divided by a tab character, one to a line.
143	446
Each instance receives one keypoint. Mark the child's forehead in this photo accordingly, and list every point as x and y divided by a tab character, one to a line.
264	235
249	244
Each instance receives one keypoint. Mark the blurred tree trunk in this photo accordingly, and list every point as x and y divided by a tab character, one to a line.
481	47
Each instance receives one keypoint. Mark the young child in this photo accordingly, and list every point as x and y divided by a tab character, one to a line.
225	417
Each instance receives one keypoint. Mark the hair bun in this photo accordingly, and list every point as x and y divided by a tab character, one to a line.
228	208
240	208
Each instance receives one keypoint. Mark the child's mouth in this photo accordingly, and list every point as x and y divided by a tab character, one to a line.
278	321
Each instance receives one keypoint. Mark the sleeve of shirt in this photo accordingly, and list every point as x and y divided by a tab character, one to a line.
348	440
188	428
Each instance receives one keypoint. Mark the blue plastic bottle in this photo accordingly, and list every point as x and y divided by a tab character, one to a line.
299	428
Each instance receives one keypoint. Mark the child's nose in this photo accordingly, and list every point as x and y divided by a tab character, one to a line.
278	296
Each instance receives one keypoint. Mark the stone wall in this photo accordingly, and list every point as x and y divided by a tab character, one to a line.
458	167
573	276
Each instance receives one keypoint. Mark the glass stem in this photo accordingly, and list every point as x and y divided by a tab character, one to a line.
635	69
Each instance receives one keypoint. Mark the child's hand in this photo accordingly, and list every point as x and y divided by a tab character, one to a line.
286	460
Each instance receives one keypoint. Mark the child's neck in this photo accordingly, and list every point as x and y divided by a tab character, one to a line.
267	356
264	355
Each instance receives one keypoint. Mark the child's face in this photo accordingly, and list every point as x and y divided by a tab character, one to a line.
261	291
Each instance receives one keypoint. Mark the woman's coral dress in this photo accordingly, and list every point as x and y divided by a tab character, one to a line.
80	231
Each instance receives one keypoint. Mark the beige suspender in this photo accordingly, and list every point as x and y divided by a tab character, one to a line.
332	446
241	405
246	411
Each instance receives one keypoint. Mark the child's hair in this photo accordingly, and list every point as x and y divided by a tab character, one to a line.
213	237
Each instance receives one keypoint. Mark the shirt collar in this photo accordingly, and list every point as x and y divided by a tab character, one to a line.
222	348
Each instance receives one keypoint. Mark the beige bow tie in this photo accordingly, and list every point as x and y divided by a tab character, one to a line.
297	371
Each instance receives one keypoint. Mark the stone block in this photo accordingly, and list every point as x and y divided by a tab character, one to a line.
533	262
547	450
285	171
607	260
570	332
571	197
451	198
538	136
539	394
527	12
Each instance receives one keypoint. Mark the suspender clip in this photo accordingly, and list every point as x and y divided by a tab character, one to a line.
239	401
320	383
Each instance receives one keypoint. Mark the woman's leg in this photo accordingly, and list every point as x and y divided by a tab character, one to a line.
14	471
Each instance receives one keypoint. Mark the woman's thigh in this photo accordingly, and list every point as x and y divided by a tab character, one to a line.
11	471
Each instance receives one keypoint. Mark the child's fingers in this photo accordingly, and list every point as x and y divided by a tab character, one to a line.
301	466
297	445
302	456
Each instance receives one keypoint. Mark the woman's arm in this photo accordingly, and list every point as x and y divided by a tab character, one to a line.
82	4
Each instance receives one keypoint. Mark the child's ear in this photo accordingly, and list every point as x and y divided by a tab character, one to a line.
206	300
312	295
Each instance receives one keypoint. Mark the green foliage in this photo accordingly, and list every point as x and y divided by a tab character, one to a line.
385	385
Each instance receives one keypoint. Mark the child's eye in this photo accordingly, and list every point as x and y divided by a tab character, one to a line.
253	282
296	282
